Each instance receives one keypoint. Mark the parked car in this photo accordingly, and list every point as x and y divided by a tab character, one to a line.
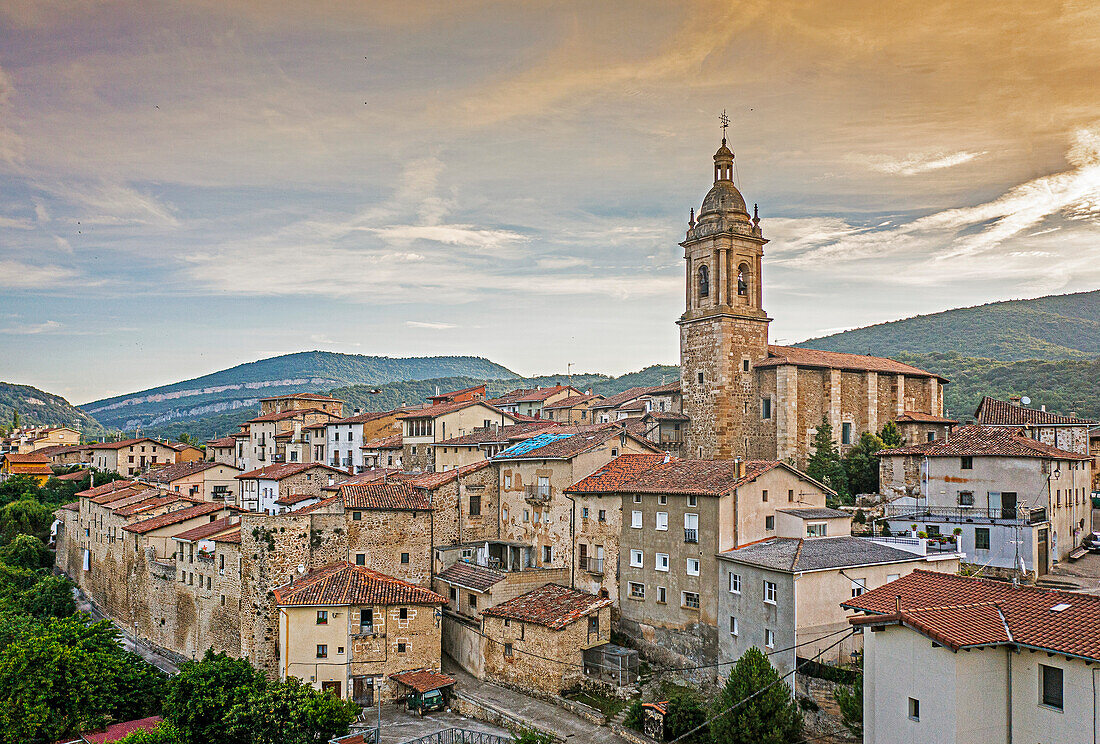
1092	542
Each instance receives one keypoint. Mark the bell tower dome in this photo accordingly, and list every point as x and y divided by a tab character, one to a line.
724	329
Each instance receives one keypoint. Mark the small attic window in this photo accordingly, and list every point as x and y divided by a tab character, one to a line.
1059	607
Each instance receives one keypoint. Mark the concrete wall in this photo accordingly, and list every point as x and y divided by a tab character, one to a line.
462	642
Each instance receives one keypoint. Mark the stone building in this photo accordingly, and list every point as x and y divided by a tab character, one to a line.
1064	432
575	409
203	479
425	427
260	489
223	450
747	398
485	442
348	629
131	456
302	402
389	529
269	434
464	502
536	641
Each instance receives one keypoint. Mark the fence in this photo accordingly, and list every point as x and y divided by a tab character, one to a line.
461	736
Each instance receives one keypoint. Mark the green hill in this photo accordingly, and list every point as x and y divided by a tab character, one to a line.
39	408
1053	327
238	389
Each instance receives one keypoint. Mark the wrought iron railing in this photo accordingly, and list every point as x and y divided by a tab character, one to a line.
690	535
593	565
537	493
967	513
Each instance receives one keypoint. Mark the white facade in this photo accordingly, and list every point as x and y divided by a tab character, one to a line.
343	447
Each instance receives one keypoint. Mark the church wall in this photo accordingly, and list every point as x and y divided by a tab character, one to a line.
917	395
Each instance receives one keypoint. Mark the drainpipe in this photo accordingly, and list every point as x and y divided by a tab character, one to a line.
572	542
1008	694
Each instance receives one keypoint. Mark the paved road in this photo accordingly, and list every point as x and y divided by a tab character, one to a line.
544	715
399	726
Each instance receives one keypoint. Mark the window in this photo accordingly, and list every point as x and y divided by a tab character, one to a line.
402	647
339	649
859	586
769	638
699	377
790	495
637	591
693	501
661	563
966	498
356	516
892	577
914	709
689	600
744	365
614	451
735	583
662	521
769	522
473	600
817	530
1050	686
965	463
403	613
770	592
636	519
692	566
405	558
981	538
475	505
662	499
931	436
765	403
366	620
637	498
764	495
454	593
526	515
704	281
547	553
733	626
637	559
584	512
360	559
846	433
662	595
322	617
322	651
508	650
507	480
603	515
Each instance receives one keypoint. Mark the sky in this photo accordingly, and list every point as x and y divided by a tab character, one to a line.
188	186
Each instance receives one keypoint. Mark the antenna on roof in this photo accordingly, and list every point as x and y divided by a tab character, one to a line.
1025	400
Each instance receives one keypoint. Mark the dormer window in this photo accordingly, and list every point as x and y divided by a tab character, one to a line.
704	281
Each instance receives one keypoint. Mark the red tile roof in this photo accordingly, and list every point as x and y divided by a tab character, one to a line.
135	505
498	434
471	576
204	531
285	470
442	408
74	476
510	397
109	497
373	475
343	583
389	496
959	612
74	506
229	441
626	396
619	471
322	504
563	448
295	498
124	443
541	394
993	412
178	470
780	355
477	392
974	440
31	458
90	493
923	418
666	416
229	537
166	520
390	442
292	413
423	680
117	731
571	401
552	605
429	481
698	477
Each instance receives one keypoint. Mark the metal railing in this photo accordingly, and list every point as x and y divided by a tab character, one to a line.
537	493
592	565
456	736
967	513
690	535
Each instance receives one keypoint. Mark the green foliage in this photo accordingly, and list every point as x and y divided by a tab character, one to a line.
824	463
771	717
27	406
531	736
25	551
165	733
24	517
1052	327
890	435
860	517
861	465
850	700
201	695
288	712
634	716
685	712
64	676
33	594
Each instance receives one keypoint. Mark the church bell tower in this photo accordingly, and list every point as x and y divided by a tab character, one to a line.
724	329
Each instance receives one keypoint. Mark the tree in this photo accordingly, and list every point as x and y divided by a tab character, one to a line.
850	700
165	733
25	551
685	712
861	464
200	697
289	712
531	736
26	516
890	435
824	464
635	717
763	710
14	418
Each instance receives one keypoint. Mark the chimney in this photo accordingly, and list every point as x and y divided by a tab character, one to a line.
739	467
297	431
357	411
1015	399
1043	408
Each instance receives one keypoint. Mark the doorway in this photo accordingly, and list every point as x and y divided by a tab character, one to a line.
332	687
1044	553
362	691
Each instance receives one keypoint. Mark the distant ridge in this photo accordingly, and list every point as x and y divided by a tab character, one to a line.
1051	328
242	386
39	408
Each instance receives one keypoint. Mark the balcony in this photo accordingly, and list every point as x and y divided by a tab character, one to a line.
1023	514
592	565
690	535
537	494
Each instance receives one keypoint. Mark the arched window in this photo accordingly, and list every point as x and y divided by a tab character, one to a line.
704	281
742	282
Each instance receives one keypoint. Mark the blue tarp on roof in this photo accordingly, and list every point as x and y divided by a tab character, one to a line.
528	445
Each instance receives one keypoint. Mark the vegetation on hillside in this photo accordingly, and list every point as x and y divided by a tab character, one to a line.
34	407
1053	327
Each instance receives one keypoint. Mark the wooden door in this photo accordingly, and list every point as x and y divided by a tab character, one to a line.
332	687
1044	553
362	690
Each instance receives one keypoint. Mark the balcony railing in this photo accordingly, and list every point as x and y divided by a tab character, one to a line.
1026	515
592	565
690	535
537	493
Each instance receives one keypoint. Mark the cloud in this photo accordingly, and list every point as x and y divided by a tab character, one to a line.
11	144
106	203
15	223
435	326
18	275
34	329
915	164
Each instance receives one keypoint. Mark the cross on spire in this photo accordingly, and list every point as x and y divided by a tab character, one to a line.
725	123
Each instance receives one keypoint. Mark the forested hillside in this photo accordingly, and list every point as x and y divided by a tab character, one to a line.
39	408
1053	327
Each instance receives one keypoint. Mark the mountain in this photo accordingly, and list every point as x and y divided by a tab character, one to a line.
39	408
239	388
1052	327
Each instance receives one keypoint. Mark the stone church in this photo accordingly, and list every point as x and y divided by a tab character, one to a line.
750	399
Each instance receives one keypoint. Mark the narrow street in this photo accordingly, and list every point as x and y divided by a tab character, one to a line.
126	639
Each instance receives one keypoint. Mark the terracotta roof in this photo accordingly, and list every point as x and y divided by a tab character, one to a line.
302	396
228	537
109	497
423	680
993	412
74	506
574	400
165	520
74	476
975	440
498	434
322	504
551	446
229	441
363	418
626	396
284	415
429	481
552	605
510	397
181	446
285	470
29	468
373	475
622	469
295	498
959	612
923	418
204	531
117	731
471	576
541	394
464	394
178	470
666	416
780	355
699	477
343	583
61	449
114	485
31	458
390	496
390	442
133	506
661	707
441	408
124	443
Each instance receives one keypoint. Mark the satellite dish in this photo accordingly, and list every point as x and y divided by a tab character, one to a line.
1025	400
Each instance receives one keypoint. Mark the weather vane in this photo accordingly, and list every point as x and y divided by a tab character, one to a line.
725	123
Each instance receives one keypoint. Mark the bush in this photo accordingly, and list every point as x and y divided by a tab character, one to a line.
685	712
850	700
634	716
755	706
